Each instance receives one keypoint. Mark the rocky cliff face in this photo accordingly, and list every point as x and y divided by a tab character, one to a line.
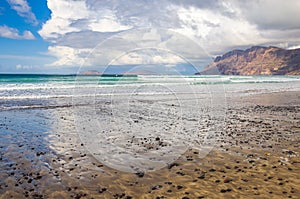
256	60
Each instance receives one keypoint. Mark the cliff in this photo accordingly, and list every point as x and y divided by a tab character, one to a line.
256	60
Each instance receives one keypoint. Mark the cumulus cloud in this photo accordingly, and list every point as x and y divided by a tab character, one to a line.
13	33
76	16
190	29
23	67
271	14
68	56
24	10
138	46
213	29
147	57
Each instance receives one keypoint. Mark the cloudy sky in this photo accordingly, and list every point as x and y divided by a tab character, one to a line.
59	36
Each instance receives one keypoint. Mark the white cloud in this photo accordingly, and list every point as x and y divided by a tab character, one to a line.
106	21
13	33
67	56
23	67
139	46
211	29
271	14
77	26
64	12
23	9
149	56
70	16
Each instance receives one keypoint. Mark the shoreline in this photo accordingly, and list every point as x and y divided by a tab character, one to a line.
256	156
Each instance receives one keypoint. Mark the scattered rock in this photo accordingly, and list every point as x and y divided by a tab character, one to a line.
101	190
140	174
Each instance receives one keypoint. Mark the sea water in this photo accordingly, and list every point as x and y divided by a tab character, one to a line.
29	88
136	123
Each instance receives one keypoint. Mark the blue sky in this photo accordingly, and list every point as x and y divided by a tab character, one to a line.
62	36
17	50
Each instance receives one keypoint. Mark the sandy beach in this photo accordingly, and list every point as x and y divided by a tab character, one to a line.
141	99
256	156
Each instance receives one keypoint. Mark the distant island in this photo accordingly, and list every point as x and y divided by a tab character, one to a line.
90	72
256	60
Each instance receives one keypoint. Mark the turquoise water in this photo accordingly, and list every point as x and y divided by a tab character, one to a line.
40	89
36	78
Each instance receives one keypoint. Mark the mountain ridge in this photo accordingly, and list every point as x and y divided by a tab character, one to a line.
257	60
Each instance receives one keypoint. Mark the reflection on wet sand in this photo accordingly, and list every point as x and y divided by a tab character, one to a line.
256	156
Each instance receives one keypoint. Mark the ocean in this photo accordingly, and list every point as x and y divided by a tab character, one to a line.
28	89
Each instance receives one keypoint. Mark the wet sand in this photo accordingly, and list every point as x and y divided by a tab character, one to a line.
256	156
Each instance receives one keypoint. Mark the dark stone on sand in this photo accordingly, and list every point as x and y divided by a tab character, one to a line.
140	174
225	190
40	153
212	170
170	166
179	187
289	152
156	187
202	176
101	190
227	180
180	173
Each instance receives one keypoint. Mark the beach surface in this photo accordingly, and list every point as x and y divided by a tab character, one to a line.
255	155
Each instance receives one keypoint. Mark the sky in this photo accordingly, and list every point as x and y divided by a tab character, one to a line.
67	36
